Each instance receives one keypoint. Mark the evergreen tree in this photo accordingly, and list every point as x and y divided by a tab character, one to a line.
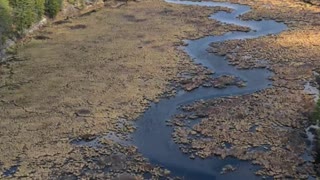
23	14
39	8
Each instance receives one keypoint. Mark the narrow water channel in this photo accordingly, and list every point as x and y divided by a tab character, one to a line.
153	136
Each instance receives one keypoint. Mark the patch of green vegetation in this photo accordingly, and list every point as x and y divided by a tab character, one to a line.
5	19
316	113
24	14
39	9
18	15
53	7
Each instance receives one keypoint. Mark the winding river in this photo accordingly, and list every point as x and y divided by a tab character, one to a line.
153	136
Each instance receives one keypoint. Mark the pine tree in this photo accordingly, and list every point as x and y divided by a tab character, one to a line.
23	14
39	9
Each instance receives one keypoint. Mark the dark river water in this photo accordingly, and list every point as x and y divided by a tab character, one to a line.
153	136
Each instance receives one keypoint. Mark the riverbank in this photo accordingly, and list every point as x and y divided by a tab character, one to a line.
92	72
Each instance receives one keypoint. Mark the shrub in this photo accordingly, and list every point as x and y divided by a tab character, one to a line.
26	12
39	9
316	112
5	18
23	14
53	7
18	15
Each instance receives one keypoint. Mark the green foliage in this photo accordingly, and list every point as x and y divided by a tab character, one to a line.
39	8
5	18
23	14
316	112
53	7
18	15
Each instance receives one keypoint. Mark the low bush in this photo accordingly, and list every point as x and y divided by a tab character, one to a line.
18	15
52	7
24	14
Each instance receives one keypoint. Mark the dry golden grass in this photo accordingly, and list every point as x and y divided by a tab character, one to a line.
111	66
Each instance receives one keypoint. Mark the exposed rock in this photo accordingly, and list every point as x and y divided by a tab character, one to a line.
227	168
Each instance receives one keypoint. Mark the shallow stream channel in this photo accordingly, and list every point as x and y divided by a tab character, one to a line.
153	136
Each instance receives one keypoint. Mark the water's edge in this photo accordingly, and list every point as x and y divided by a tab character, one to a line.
153	136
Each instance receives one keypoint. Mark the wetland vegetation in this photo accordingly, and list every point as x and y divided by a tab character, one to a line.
157	90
